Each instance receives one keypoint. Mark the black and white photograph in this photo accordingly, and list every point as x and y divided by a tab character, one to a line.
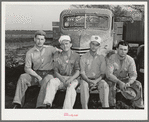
74	60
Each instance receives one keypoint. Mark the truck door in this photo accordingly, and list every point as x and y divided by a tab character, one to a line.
118	28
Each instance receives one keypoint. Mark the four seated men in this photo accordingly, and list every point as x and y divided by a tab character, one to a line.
91	72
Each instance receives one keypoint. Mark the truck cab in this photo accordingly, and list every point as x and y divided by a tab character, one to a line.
81	24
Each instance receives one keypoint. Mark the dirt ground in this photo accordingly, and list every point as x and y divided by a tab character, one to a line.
16	49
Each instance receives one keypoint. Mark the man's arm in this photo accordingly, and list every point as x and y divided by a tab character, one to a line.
132	72
82	72
77	73
56	66
55	49
112	77
109	72
102	69
28	65
76	68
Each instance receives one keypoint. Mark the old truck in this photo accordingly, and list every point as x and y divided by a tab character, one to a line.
81	24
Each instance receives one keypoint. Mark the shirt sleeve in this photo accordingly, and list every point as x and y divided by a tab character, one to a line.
103	65
28	60
55	49
82	64
77	63
110	70
55	62
132	70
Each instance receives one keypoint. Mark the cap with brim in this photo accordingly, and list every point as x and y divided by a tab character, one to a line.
96	38
40	32
131	93
64	37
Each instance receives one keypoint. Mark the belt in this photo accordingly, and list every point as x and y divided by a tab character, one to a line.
92	78
43	73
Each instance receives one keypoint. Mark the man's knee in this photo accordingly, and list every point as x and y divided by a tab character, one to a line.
53	81
138	84
103	84
84	84
24	77
110	83
73	85
48	78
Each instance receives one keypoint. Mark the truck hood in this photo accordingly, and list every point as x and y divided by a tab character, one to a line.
81	40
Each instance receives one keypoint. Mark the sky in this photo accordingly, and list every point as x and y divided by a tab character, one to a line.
32	17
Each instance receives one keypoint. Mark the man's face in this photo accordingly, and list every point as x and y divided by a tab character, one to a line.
122	51
39	40
94	46
66	45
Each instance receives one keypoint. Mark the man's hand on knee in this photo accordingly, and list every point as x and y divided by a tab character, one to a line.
127	85
39	79
121	85
28	83
68	83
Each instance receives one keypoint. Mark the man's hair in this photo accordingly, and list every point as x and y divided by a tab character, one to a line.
40	32
122	42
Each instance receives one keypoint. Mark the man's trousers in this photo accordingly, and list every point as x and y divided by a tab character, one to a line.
103	89
112	93
54	85
26	81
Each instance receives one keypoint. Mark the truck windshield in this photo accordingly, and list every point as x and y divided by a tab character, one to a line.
85	21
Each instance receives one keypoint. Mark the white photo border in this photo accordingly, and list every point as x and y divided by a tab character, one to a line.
57	114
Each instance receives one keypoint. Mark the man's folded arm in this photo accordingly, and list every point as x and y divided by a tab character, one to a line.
28	65
82	70
109	73
132	72
102	69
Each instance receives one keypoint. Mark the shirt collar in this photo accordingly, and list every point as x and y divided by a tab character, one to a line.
92	55
71	52
122	59
35	48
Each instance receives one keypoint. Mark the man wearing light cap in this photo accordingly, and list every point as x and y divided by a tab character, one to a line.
38	67
93	67
66	69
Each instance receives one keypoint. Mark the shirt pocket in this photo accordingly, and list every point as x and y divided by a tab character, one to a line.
71	63
36	60
88	64
116	66
124	73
